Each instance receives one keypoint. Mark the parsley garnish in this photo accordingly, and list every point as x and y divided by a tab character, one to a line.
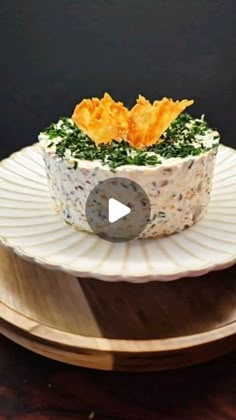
179	140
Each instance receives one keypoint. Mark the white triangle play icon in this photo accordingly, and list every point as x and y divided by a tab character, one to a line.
116	210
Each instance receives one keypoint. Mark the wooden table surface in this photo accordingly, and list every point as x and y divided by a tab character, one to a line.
36	388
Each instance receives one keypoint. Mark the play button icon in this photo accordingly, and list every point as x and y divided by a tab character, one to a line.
117	209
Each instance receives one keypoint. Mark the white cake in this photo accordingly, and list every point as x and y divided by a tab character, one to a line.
178	187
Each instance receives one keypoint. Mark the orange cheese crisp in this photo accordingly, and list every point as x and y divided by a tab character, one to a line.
148	122
104	120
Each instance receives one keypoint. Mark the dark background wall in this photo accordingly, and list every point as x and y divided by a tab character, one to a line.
55	52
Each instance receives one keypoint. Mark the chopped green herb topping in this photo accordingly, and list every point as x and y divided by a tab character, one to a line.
183	138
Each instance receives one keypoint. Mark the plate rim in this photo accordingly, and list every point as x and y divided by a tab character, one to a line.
143	278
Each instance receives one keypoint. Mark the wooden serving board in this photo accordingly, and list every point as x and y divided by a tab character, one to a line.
120	326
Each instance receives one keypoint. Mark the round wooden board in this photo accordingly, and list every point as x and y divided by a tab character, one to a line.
120	326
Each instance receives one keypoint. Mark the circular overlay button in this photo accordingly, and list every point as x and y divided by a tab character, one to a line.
117	209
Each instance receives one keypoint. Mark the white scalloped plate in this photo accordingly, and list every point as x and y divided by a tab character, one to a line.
31	228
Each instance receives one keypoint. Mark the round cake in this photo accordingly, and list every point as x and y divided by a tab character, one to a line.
170	154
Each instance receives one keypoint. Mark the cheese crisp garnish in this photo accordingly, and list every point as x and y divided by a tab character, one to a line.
104	120
148	122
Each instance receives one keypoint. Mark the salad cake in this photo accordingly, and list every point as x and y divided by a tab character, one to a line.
161	147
